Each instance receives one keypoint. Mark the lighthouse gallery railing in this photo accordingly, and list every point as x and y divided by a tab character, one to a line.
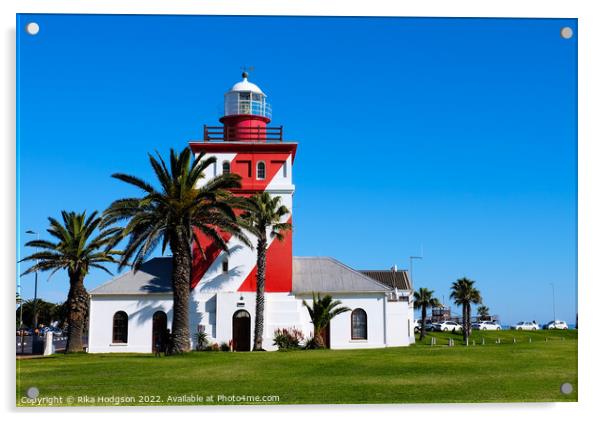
222	133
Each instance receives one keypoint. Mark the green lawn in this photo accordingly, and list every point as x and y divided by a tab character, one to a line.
521	372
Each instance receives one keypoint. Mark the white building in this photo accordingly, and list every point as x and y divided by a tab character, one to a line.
131	310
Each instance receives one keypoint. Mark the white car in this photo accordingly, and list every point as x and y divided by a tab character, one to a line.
526	326
448	326
556	324
486	326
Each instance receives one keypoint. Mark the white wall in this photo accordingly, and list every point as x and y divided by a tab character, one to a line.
387	321
281	311
340	326
400	324
140	310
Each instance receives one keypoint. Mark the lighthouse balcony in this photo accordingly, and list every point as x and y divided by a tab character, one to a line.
244	134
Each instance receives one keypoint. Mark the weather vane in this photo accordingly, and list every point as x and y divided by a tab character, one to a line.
246	70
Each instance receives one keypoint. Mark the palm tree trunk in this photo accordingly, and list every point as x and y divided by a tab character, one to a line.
468	327
182	261
77	304
464	321
423	324
319	336
260	299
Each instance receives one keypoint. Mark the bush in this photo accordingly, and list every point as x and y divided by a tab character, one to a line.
224	347
201	340
312	343
286	339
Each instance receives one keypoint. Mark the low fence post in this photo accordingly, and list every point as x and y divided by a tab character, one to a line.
48	344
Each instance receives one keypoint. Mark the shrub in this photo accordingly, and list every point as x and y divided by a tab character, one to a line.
286	339
312	343
201	340
224	347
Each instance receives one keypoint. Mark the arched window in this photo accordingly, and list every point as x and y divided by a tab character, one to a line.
261	170
226	167
120	328
359	324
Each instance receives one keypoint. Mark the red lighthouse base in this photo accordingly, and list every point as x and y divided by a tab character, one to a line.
249	128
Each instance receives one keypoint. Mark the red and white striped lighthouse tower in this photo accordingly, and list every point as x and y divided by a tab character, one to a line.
246	145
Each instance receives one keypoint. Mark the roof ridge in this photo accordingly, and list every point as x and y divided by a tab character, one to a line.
359	273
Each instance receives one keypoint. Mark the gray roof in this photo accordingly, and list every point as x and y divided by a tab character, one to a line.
394	279
325	274
310	274
153	276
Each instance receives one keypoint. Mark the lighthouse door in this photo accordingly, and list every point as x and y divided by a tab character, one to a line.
159	331
241	330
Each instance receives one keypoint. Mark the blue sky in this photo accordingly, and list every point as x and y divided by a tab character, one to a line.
456	134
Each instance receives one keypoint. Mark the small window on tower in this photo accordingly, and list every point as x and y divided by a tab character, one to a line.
225	265
261	170
226	167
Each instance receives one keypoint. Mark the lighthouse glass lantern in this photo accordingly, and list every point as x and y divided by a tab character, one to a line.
246	114
246	98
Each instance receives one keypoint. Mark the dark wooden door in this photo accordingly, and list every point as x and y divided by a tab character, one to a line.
241	330
159	330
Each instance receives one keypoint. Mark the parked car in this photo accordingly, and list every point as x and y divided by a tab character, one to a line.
448	326
486	326
556	324
526	326
432	326
56	331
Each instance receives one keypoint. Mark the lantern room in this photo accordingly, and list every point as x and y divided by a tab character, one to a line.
246	98
246	115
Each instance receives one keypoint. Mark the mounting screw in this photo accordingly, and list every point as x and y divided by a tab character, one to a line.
33	392
566	32
32	28
566	388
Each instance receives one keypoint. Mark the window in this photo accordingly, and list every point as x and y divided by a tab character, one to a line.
284	170
226	167
225	265
261	170
120	328
359	324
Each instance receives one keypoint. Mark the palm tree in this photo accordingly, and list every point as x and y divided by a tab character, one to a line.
175	215
322	311
483	312
76	251
423	298
262	219
464	294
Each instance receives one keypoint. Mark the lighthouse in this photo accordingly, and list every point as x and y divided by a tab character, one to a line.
223	284
246	144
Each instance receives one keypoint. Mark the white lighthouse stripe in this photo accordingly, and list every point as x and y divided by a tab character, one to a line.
215	169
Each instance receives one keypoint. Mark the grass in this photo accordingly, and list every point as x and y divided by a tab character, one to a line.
506	372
